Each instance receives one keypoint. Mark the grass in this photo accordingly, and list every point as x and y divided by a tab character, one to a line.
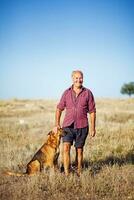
108	171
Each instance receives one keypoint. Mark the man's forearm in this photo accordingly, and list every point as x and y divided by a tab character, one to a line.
92	120
57	117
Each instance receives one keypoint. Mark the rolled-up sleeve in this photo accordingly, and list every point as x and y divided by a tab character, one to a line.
62	103
91	103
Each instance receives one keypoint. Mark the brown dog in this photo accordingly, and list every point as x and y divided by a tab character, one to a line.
46	156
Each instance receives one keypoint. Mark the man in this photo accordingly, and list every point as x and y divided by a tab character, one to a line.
78	101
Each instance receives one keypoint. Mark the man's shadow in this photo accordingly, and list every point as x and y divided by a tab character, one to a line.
95	167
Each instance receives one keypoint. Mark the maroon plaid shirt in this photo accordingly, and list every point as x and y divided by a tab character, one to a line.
77	107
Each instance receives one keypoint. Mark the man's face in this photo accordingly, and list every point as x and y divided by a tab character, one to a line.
77	79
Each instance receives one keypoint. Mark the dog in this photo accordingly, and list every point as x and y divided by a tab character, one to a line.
46	157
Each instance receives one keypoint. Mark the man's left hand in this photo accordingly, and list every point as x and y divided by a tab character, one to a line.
92	133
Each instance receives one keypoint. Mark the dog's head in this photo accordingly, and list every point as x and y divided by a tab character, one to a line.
55	137
60	133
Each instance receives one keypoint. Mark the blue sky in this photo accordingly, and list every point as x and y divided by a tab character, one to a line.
42	41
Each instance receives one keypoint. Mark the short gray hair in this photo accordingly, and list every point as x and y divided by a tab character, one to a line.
77	71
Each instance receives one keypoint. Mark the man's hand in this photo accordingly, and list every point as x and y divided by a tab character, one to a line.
55	129
92	126
92	133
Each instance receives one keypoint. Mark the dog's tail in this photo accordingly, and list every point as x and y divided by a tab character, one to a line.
8	173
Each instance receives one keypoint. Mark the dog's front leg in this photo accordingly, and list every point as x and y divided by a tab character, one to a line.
56	161
61	158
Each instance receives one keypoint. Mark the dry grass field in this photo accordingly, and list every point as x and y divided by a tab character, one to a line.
108	171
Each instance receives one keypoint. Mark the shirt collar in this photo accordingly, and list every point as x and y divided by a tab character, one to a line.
71	88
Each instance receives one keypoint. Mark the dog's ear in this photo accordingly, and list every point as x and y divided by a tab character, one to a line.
49	133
